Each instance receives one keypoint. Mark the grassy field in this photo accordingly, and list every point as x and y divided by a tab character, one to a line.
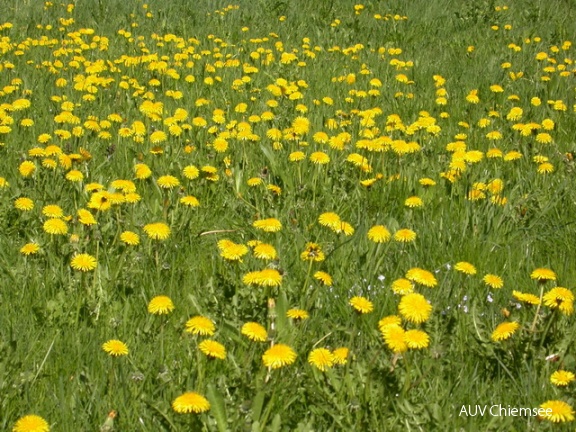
287	216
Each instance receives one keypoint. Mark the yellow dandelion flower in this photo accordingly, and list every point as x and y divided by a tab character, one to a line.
190	402
361	304
319	158
504	331
562	378
265	251
232	251
27	168
526	298
55	226
416	339
340	355
83	262
321	359
394	338
297	314
465	267
31	423
30	249
493	281
379	234
557	411
268	225
402	286
543	275
312	252
130	238
115	348
157	231
200	325
85	217
52	211
189	201
415	308
160	305
212	349
254	332
24	204
405	235
561	298
414	202
323	277
278	356
167	182
422	277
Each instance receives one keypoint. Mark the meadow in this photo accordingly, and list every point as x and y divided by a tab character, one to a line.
286	215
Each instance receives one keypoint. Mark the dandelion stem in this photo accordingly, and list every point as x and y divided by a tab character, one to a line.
533	326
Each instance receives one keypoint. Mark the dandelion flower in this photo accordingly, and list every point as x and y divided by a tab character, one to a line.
465	267
414	202
55	226
323	277
83	262
415	308
394	336
543	275
130	238
268	225
560	411
416	339
361	304
379	234
24	204
493	281
30	249
526	297
265	251
330	220
402	286
312	252
405	235
157	231
85	217
266	277
254	332
200	325
278	356
321	358
160	305
167	182
115	348
297	314
27	168
504	331
422	277
561	298
213	349
340	355
31	423
190	402
189	201
52	211
319	158
562	378
232	251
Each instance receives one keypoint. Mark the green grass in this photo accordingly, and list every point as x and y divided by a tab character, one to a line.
54	320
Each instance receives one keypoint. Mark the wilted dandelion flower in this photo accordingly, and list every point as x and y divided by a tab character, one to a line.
268	225
561	412
504	331
115	348
212	349
415	308
55	226
416	339
493	281
562	378
465	267
405	235
24	204
321	358
278	356
83	262
312	252
379	234
160	305
30	249
543	275
323	277
200	325
157	231
130	238
361	304
254	331
297	314
31	423
190	402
